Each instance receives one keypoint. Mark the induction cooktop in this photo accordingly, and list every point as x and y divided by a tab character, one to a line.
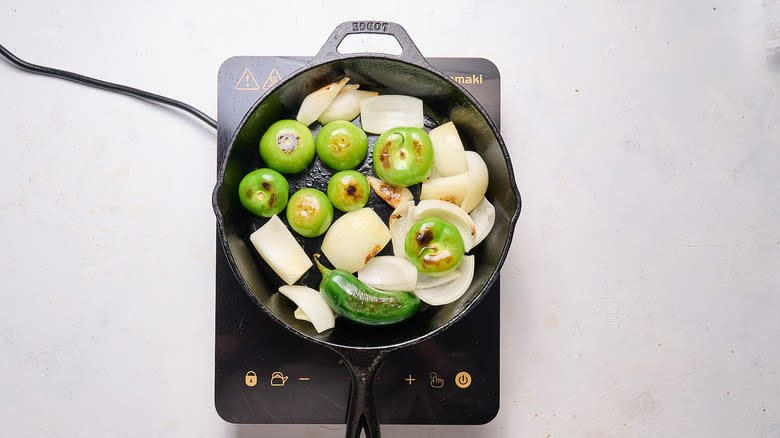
265	374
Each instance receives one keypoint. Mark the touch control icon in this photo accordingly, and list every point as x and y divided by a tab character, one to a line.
436	382
463	379
278	378
250	379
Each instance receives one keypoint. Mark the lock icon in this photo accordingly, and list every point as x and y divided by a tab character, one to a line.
278	378
250	379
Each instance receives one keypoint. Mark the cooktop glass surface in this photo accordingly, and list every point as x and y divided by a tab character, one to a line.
265	374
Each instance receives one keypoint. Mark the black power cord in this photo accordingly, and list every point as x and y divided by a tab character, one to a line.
130	91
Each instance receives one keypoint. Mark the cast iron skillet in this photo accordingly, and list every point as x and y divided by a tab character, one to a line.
362	348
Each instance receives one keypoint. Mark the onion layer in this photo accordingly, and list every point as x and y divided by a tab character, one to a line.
311	303
449	292
449	155
478	181
389	273
400	222
380	113
393	195
452	189
484	216
346	105
315	103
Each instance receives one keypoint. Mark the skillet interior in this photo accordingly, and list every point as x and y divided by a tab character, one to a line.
443	102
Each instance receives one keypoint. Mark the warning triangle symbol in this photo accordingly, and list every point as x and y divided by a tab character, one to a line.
272	79
247	81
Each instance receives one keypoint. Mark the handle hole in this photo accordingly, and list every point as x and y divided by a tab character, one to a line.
369	43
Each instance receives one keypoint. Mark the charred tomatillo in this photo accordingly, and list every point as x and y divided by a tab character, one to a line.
348	190
287	146
403	156
264	192
434	246
341	145
309	212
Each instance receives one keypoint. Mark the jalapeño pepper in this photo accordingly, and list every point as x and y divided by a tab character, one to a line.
356	301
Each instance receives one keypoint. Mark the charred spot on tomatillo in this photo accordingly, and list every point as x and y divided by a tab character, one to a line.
287	146
348	190
434	246
403	156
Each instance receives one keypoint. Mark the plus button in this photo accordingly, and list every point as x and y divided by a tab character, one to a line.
410	379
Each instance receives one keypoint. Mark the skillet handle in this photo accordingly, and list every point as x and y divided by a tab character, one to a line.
409	52
361	412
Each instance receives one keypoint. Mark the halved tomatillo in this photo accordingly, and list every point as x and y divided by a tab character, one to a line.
264	192
434	246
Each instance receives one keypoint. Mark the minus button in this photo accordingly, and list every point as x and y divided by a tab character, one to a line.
306	379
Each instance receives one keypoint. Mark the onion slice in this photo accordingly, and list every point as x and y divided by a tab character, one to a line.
393	195
448	188
312	305
315	103
450	213
484	216
389	273
278	247
401	220
380	113
478	181
354	238
449	157
346	105
425	281
449	292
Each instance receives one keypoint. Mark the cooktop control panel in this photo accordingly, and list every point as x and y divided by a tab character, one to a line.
265	374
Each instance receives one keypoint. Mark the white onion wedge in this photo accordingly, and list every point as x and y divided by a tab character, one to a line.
380	113
449	292
311	303
393	195
452	189
300	314
280	250
449	157
346	105
425	281
353	239
449	213
315	103
478	181
484	216
401	220
389	273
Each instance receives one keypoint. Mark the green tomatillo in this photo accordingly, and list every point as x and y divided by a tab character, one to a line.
434	246
348	190
403	156
264	192
287	146
341	145
309	212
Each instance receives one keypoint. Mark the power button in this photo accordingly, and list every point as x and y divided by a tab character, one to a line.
463	379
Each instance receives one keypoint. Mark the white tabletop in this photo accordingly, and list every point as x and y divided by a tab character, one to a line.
642	291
